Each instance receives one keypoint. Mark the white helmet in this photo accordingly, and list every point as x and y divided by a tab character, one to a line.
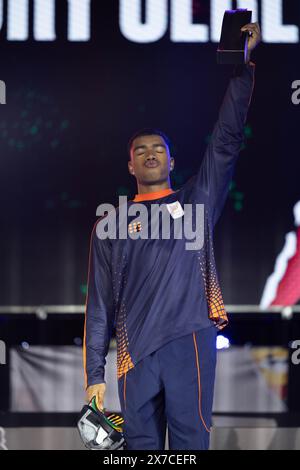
100	430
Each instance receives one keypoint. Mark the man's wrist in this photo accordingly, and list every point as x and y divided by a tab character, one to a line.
98	381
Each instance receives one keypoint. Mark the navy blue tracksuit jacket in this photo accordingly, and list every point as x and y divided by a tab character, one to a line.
154	290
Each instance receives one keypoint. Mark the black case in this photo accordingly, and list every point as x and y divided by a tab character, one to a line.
232	48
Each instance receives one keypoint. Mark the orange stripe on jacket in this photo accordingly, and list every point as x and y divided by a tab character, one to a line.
86	302
125	389
153	195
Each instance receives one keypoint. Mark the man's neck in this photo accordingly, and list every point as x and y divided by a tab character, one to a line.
153	188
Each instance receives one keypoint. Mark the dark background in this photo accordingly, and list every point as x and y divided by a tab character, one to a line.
71	108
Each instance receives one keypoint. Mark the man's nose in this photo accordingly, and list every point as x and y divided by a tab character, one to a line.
151	155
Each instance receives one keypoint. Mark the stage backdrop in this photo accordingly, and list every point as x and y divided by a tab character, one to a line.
79	77
50	379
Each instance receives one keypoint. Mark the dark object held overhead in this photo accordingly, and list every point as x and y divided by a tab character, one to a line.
233	43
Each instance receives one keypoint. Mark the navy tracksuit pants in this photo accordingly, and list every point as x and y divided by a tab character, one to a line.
172	386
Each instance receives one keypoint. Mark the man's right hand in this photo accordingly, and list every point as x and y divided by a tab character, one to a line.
97	390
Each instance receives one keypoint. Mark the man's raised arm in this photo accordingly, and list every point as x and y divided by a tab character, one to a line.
216	170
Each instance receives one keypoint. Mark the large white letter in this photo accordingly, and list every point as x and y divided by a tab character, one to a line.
272	28
44	20
18	20
182	27
217	10
79	20
156	20
1	14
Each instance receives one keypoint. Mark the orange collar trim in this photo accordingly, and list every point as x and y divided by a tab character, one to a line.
153	195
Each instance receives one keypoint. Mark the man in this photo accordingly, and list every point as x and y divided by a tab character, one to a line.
164	300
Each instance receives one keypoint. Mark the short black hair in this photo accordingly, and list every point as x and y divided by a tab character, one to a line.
148	131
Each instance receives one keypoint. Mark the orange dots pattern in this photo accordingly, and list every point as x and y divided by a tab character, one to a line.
124	361
134	227
216	307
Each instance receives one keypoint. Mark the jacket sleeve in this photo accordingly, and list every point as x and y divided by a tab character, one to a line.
217	167
99	312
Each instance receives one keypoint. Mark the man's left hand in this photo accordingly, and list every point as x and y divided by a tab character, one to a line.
254	36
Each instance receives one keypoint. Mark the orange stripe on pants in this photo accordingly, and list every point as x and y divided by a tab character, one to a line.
199	383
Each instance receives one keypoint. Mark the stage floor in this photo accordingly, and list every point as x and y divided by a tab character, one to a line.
240	437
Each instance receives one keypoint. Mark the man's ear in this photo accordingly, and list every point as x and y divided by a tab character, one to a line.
130	168
172	164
